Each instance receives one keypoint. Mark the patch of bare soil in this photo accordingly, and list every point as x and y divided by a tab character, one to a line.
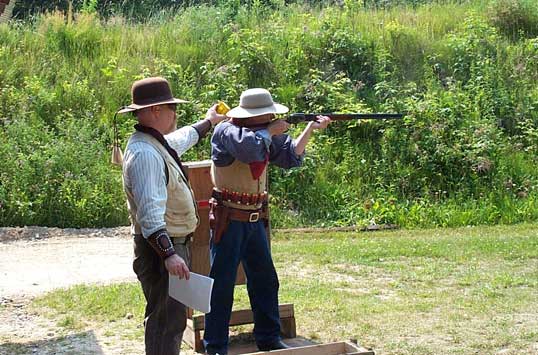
34	260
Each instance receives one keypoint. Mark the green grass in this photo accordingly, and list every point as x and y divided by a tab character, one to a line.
438	291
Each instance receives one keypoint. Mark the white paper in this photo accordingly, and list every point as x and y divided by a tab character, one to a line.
194	293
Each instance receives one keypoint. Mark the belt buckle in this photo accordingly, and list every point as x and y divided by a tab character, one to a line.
254	217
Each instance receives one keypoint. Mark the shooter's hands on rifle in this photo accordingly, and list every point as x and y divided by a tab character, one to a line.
277	127
321	122
213	116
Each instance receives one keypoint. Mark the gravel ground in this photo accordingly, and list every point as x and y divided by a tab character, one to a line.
34	260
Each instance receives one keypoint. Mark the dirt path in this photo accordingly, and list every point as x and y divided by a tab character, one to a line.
34	260
43	259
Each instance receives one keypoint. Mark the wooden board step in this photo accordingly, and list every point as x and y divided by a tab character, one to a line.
337	348
196	324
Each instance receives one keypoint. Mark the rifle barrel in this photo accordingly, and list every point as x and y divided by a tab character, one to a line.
361	116
298	117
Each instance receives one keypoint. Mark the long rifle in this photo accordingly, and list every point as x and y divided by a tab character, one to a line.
305	117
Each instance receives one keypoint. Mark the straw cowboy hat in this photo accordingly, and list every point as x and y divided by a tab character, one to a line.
256	102
150	92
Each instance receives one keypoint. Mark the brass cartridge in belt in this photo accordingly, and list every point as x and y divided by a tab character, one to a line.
234	197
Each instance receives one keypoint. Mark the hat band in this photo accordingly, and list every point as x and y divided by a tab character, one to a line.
256	106
153	100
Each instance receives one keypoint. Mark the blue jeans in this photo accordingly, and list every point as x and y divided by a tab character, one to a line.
245	242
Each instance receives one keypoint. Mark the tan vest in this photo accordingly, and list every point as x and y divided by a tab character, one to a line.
237	177
181	216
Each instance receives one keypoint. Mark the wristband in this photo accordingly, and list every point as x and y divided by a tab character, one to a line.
202	127
161	242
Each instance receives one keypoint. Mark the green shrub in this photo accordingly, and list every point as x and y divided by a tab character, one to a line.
465	153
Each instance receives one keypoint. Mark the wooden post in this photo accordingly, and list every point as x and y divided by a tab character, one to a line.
287	327
6	9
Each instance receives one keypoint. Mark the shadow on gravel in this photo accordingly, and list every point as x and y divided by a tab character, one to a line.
78	343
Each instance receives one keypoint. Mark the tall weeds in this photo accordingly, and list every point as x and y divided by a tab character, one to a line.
464	154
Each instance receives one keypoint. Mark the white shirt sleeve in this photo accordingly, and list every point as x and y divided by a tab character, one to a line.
182	139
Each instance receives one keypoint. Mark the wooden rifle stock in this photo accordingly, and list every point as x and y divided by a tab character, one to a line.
302	117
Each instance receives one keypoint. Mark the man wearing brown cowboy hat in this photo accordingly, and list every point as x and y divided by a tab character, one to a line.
241	149
161	205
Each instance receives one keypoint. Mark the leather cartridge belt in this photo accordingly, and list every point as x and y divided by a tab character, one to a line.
241	198
246	215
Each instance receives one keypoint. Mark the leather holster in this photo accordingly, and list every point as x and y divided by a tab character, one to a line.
218	219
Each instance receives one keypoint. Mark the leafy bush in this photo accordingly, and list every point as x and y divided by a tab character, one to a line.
57	178
406	49
465	153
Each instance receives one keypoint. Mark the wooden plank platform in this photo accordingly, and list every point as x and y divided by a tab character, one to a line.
241	317
196	324
339	348
301	346
245	344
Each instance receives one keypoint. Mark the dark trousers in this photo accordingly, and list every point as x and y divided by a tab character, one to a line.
165	319
245	242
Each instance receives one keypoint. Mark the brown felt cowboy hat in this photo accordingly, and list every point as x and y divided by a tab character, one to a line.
144	93
256	102
150	92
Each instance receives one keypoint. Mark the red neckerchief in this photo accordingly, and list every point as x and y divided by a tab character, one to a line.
257	167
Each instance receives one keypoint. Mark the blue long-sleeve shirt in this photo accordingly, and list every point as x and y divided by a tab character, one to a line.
230	142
